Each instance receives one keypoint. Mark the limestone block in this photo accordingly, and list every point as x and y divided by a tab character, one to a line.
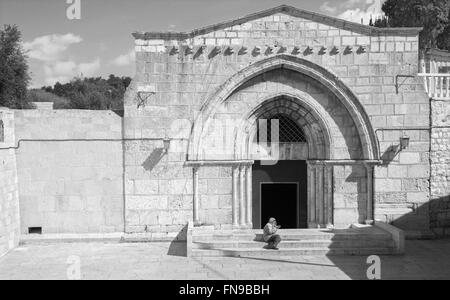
418	171
418	197
415	185
148	217
145	187
388	185
397	171
146	202
76	203
176	186
349	40
176	202
409	158
345	216
180	217
209	201
219	186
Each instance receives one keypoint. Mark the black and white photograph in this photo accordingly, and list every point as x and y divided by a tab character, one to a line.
226	148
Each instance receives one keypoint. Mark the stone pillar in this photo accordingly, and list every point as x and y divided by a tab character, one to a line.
242	190
328	195
311	196
196	197
369	214
319	195
234	204
249	197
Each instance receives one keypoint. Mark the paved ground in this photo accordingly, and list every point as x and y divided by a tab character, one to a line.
423	260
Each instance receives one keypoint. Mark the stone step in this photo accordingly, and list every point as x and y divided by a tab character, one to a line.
296	244
288	237
258	252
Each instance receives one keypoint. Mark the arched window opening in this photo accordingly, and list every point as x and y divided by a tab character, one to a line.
288	132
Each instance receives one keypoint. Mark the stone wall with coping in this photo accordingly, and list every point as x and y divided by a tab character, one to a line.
70	186
181	73
9	190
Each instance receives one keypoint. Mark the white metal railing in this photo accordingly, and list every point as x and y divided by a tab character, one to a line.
436	84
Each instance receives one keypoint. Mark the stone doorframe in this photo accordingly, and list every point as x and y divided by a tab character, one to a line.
320	190
320	202
320	171
241	195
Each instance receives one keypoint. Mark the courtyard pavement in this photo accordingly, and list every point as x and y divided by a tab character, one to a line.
102	260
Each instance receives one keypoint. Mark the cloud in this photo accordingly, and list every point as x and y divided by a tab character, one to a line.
51	56
355	10
124	59
63	71
327	8
50	47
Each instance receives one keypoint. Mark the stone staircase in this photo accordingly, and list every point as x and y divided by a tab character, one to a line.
249	243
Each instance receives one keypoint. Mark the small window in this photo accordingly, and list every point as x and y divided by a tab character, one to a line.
2	132
35	230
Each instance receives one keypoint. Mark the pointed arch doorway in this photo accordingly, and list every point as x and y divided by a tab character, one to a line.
280	187
338	136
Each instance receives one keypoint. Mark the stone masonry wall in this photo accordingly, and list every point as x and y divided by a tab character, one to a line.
350	194
179	74
9	190
70	186
440	168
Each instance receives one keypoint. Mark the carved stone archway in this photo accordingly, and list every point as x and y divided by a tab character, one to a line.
316	124
357	112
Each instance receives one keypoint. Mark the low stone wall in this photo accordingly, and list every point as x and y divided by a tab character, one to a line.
67	182
9	196
440	168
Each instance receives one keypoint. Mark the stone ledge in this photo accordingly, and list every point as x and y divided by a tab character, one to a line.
397	234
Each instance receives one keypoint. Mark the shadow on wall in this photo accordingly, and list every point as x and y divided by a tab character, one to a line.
429	220
178	246
154	158
389	155
440	216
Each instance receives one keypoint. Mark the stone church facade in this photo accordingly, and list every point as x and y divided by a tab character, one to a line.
207	90
314	119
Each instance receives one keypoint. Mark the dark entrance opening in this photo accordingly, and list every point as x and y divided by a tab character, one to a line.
280	200
280	191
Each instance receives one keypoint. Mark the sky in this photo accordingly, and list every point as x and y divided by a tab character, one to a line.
100	42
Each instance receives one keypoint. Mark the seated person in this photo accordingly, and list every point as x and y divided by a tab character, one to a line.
270	235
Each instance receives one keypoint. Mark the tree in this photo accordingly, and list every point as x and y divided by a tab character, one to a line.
41	95
92	93
432	15
443	40
14	76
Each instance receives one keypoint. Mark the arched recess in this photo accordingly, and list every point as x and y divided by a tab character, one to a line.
301	109
366	133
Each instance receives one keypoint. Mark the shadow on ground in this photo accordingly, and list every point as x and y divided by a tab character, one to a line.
428	221
178	246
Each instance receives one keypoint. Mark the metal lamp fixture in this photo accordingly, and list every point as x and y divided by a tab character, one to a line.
166	143
404	142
